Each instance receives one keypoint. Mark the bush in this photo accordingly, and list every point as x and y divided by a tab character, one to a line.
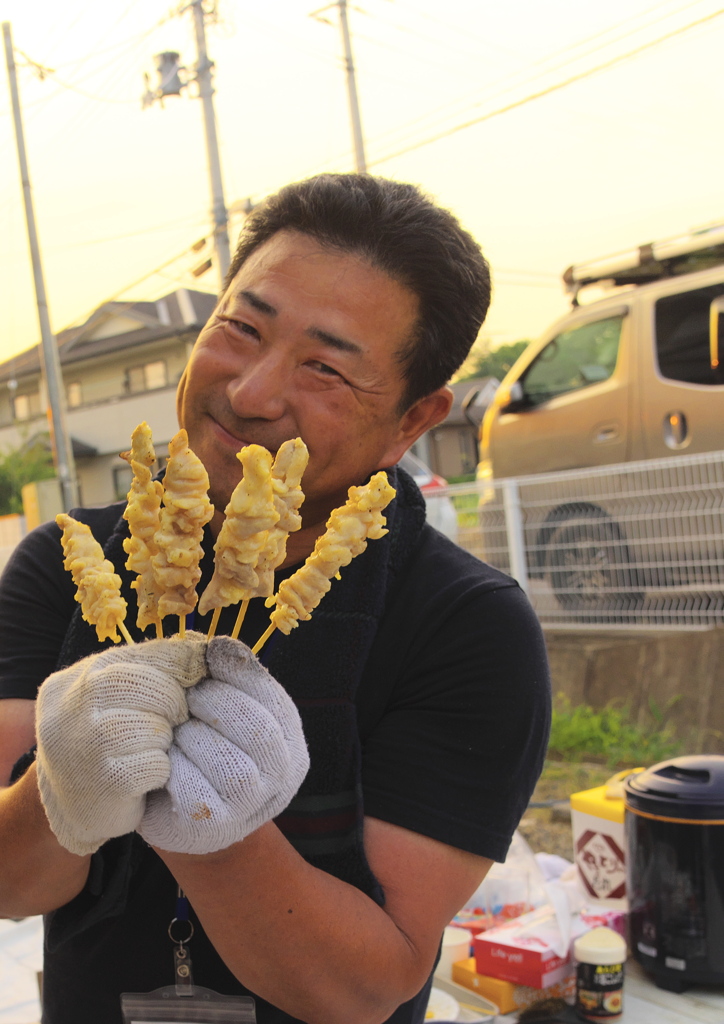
584	733
19	467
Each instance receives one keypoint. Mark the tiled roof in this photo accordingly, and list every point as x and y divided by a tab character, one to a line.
178	313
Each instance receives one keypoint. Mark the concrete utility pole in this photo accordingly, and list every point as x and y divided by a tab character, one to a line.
206	92
359	146
50	361
170	84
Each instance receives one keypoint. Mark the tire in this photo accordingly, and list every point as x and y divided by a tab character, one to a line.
587	563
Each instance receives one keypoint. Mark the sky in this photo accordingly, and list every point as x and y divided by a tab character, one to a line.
595	128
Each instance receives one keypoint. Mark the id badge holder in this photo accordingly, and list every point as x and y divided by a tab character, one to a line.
184	1001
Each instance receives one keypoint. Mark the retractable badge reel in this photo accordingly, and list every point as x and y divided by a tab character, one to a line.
185	1001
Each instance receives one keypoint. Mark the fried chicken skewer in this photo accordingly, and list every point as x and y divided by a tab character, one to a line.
263	510
143	516
186	510
348	529
99	586
287	471
250	515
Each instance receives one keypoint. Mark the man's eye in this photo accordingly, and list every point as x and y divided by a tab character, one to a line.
245	328
328	371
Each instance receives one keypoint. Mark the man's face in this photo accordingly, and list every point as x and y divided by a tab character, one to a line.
302	344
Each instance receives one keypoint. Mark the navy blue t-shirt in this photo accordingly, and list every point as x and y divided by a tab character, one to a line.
453	717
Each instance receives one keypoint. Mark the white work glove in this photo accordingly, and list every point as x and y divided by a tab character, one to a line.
235	764
103	728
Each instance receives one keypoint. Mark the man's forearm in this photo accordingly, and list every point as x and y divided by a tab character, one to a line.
310	944
38	874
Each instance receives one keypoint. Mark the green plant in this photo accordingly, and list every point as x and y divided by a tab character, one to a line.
581	732
482	362
18	467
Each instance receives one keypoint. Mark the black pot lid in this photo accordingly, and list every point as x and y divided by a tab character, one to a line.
689	787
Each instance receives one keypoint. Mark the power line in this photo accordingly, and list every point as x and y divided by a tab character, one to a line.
612	62
446	112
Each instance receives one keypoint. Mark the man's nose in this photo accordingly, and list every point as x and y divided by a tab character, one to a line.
257	392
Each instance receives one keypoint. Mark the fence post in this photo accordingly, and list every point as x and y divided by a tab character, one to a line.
514	532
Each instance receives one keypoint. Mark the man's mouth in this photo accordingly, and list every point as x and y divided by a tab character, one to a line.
233	439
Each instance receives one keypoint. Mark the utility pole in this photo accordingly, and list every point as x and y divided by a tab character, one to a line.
50	361
206	92
354	114
359	146
170	84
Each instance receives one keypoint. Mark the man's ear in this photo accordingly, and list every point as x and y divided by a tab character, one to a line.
426	413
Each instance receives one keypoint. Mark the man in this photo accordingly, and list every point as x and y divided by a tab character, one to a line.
421	679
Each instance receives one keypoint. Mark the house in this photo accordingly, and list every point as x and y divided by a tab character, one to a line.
120	367
451	448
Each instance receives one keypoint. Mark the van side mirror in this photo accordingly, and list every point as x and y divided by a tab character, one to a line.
472	413
515	400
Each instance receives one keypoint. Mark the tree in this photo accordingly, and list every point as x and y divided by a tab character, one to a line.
21	466
495	363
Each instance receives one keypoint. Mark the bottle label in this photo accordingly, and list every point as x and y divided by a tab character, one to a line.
599	991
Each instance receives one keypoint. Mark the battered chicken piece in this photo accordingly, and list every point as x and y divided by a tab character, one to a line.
348	529
289	465
142	449
99	586
143	516
186	510
250	515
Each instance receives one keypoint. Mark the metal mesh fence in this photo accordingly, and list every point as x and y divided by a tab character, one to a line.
636	544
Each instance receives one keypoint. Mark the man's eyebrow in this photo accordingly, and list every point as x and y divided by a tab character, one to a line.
334	341
256	303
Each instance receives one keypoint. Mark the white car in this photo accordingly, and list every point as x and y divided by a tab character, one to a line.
441	512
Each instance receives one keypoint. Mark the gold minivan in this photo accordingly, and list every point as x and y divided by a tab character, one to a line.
634	376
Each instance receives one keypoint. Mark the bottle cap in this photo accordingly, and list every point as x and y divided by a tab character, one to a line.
600	946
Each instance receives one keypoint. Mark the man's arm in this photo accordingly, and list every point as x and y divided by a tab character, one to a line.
317	947
38	875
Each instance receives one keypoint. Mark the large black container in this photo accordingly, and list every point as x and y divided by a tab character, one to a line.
675	865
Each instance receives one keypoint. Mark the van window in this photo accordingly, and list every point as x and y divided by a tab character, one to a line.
573	360
682	336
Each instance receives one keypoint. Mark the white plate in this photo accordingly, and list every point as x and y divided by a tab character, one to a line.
441	1006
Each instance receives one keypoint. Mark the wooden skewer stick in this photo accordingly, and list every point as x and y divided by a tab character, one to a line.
240	619
263	638
125	634
214	623
182	626
159	631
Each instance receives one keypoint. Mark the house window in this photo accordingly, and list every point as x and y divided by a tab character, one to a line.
74	392
122	479
26	406
146	377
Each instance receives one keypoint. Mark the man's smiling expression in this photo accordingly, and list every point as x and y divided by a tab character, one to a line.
303	343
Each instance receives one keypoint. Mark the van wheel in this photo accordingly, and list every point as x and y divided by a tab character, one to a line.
587	563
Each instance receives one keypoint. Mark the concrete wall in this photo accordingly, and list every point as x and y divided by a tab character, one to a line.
631	667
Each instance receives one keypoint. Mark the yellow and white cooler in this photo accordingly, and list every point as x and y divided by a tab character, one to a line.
597	817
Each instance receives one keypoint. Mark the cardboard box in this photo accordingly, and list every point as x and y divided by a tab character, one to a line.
521	950
507	996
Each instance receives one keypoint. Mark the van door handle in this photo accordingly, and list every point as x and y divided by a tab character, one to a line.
608	433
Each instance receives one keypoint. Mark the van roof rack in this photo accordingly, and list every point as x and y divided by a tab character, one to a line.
684	254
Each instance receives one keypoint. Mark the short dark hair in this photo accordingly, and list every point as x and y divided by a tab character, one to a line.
399	230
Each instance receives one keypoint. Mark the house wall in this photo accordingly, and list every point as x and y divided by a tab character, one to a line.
105	377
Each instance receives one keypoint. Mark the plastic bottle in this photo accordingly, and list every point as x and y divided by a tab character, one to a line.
600	956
